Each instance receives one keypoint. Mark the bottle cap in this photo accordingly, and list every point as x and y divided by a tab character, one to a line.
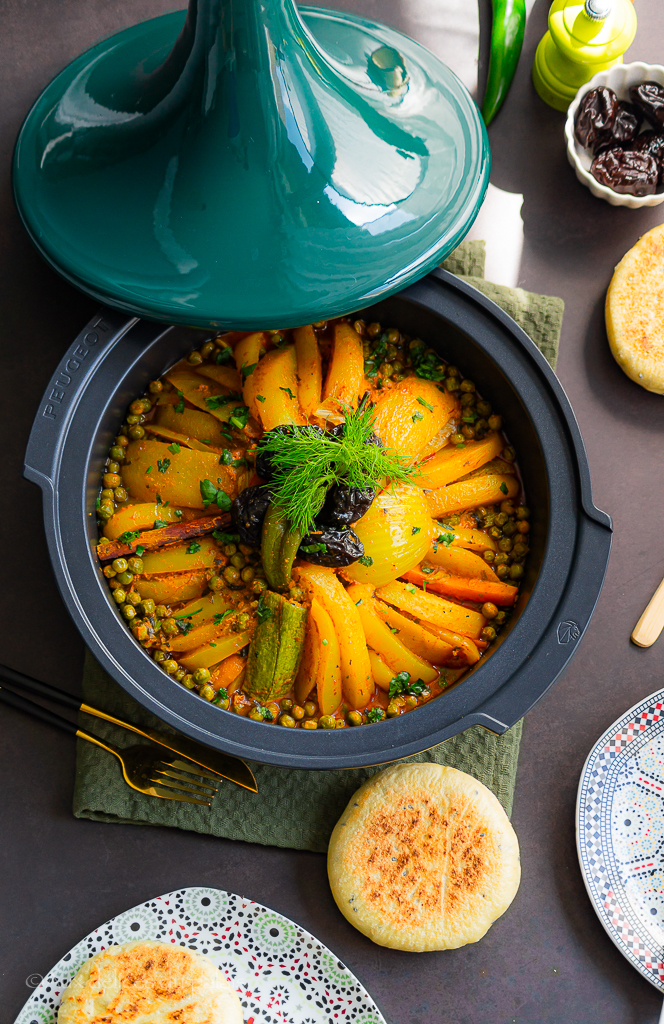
598	10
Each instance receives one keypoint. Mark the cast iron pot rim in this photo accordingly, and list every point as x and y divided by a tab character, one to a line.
495	707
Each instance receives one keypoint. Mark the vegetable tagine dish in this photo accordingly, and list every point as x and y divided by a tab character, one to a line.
315	528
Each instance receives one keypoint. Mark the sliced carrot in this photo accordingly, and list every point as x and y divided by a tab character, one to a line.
345	376
386	643
481	490
456	461
356	677
460	561
225	674
469	648
432	608
462	588
414	636
382	673
309	369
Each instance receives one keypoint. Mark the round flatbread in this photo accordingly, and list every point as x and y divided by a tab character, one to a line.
423	858
149	983
635	311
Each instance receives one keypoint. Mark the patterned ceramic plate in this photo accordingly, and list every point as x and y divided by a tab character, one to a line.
283	974
620	834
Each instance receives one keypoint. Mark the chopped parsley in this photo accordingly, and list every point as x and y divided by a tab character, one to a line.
424	402
393	629
260	398
503	487
469	417
446	539
128	536
411	590
248	370
174	448
417	416
225	355
416	529
220	616
148	470
193	547
238	418
427	569
159	523
163	464
159	499
214	496
218	401
366	560
189	615
140	550
263	613
325	642
228	460
357	603
401	684
180	406
221	694
375	715
426	364
288	392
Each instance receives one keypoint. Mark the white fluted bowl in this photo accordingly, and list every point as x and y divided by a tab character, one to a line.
619	78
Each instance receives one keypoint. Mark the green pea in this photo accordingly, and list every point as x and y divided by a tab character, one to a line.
489	610
148	607
500	618
288	721
161	611
133	598
136	433
109	572
297	712
120	494
195	358
119	564
216	583
310	708
208	692
354	718
238	561
119	596
107	494
126	578
468	431
202	675
188	681
488	556
505	544
117	453
509	528
247	575
243	621
327	722
502	572
393	710
230	549
483	408
488	634
128	611
231	574
495	422
523	512
170	665
170	627
467	385
286	704
501	558
106	510
310	723
160	656
155	387
516	572
135	564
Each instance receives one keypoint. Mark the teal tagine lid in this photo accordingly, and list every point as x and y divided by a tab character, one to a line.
247	165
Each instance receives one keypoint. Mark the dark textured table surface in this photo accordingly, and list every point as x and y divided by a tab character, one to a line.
548	959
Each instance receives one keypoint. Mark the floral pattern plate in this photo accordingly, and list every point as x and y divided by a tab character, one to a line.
620	834
282	974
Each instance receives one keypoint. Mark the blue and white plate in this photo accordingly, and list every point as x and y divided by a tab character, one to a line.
620	834
282	974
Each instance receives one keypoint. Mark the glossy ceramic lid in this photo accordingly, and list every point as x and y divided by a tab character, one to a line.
250	165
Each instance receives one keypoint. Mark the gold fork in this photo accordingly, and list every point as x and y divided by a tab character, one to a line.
143	767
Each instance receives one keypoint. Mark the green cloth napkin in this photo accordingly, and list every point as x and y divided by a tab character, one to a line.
296	808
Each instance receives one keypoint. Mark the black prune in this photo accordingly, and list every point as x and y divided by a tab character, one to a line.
649	98
651	142
625	171
595	114
248	511
624	129
344	505
338	432
332	546
264	466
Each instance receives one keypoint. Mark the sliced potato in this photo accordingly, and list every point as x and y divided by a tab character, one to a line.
151	468
410	414
181	586
188	556
453	462
460	561
415	637
481	490
205	394
271	391
309	370
382	673
431	608
224	375
345	375
215	651
387	644
165	433
194	424
140	516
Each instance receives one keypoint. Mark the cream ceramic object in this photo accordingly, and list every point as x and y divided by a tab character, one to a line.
619	78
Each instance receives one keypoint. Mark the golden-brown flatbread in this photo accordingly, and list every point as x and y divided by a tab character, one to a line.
149	983
635	311
423	858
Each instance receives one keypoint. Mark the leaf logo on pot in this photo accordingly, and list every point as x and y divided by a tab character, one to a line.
568	630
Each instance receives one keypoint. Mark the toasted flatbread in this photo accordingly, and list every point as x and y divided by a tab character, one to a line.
635	311
423	858
149	983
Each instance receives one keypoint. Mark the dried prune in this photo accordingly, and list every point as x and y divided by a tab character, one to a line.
624	129
344	505
248	511
338	432
649	98
595	114
651	142
625	171
264	466
332	546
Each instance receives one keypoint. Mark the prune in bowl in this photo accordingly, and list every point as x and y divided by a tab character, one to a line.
626	171
595	115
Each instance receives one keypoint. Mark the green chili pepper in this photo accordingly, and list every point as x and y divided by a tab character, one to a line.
279	544
509	23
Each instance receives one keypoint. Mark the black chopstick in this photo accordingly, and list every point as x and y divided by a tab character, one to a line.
22	682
